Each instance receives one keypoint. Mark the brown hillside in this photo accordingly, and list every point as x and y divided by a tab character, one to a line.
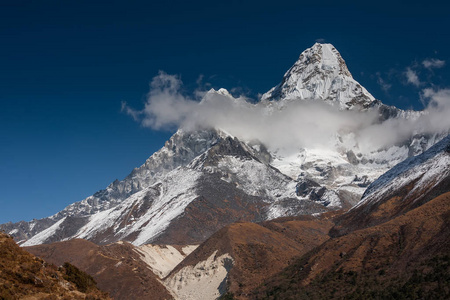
24	276
407	257
260	250
116	267
395	204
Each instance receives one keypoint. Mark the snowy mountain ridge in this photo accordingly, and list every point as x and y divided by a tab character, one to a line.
208	176
178	151
426	169
145	214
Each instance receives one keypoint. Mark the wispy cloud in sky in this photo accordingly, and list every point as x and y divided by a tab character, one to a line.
385	86
420	74
135	114
412	77
433	63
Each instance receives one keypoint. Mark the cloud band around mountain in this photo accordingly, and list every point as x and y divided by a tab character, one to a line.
285	124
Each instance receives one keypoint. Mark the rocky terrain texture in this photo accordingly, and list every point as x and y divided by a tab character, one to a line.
256	252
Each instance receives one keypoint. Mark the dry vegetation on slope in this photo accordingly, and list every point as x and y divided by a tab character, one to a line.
395	204
259	251
407	257
24	276
117	268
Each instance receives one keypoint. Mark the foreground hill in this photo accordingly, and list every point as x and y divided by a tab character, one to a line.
118	268
24	276
239	257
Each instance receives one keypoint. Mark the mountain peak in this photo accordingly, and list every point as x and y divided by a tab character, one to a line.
330	58
321	73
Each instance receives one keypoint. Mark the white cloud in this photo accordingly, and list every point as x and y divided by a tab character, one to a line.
412	77
438	110
383	84
433	63
130	111
285	124
166	107
437	98
433	119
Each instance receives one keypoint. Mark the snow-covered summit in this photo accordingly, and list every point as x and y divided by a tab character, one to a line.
221	91
320	73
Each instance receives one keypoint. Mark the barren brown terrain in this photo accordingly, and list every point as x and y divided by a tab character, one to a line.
397	203
116	267
24	276
260	250
407	257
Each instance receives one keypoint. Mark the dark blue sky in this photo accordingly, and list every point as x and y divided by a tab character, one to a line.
66	66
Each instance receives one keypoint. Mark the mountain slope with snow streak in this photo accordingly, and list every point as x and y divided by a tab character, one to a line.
408	185
228	171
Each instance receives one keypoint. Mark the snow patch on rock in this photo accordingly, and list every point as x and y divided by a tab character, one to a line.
162	259
42	236
206	280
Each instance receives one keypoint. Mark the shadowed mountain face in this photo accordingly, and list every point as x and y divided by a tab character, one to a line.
231	181
24	276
